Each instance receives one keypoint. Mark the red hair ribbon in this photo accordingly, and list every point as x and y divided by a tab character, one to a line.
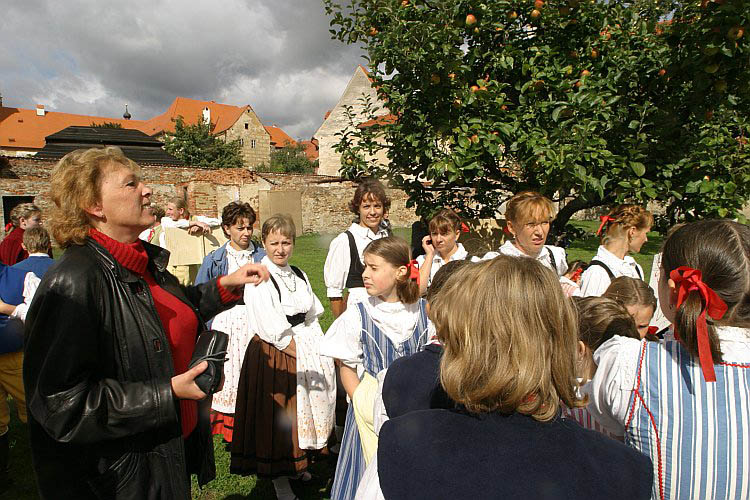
576	275
606	219
652	330
413	269
506	230
689	280
464	228
8	226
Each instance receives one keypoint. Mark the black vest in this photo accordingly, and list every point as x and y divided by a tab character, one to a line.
298	318
356	268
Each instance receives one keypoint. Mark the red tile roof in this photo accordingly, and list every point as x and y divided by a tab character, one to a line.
24	129
279	138
380	120
311	149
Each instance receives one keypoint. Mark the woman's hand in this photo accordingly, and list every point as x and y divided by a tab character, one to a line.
427	246
249	273
197	227
184	386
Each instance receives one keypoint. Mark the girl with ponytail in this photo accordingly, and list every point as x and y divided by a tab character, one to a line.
683	402
390	323
623	231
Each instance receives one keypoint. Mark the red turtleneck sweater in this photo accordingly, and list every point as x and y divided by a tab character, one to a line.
178	319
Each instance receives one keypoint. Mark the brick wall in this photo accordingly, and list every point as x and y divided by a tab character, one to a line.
324	199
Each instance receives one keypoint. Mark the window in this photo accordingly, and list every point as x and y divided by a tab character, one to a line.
242	142
247	125
252	143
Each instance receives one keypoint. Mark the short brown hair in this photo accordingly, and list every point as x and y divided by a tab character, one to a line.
626	216
282	223
444	222
23	211
36	240
158	212
528	204
75	184
395	251
631	292
509	336
720	249
235	211
600	319
369	188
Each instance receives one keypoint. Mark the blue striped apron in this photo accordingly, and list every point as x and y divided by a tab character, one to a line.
697	433
378	353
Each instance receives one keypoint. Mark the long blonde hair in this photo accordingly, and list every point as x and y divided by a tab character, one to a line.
510	338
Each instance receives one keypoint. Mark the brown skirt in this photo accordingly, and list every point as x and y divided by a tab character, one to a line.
265	438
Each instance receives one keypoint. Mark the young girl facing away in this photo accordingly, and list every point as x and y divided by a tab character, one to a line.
440	246
509	356
684	402
344	265
23	216
287	390
528	215
571	280
638	298
623	231
390	323
599	319
237	219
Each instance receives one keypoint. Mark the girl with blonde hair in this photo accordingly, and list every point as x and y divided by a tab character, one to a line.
507	368
23	216
624	231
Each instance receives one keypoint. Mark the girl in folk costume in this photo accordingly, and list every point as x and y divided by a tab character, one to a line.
624	231
237	219
389	324
599	319
440	246
640	301
528	216
23	216
344	263
684	402
287	390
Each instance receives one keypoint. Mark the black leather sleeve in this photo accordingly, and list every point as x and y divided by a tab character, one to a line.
70	365
207	300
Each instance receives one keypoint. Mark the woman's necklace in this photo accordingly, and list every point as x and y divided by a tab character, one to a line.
282	275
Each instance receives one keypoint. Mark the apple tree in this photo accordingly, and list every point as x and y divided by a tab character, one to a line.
589	102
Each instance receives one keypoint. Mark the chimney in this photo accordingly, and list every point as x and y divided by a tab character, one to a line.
206	116
40	110
1	100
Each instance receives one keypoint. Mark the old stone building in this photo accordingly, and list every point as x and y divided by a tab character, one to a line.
335	122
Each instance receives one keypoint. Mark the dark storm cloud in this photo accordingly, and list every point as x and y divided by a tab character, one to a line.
92	57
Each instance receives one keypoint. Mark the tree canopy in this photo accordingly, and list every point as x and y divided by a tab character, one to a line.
589	102
195	145
290	159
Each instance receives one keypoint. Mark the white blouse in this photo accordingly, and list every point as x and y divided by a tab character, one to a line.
267	312
395	320
336	269
617	365
561	258
595	280
438	261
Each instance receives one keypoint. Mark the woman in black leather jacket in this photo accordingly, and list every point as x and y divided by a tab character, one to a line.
113	410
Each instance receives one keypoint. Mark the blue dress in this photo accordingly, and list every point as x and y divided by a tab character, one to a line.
378	352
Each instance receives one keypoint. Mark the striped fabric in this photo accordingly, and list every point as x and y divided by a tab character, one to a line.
378	353
696	433
583	418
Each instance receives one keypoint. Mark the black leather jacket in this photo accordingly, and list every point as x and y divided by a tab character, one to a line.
103	420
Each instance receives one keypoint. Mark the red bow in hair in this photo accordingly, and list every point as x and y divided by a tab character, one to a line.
689	280
8	226
506	230
606	219
413	269
464	228
652	330
576	275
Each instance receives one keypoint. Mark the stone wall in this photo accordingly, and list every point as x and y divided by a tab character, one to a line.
323	199
255	140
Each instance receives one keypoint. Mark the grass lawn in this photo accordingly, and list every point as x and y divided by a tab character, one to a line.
310	253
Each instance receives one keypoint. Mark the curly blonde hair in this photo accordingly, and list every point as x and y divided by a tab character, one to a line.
625	217
23	211
75	184
509	336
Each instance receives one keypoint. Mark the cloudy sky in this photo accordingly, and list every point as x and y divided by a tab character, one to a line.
93	56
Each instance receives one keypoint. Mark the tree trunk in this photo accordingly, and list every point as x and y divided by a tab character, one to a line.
566	212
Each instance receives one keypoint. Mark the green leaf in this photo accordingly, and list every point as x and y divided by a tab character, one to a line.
638	168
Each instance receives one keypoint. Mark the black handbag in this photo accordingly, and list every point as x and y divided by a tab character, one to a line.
211	346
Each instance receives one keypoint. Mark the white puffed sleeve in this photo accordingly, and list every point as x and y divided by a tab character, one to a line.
211	221
266	316
614	381
343	340
170	222
30	284
336	268
594	281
